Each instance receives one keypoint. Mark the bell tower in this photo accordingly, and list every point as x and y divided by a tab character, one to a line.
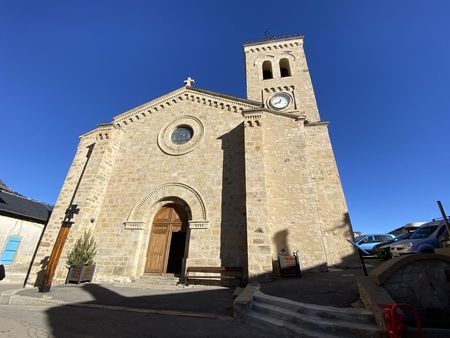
277	74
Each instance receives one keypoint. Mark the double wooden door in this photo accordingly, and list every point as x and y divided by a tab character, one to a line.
170	222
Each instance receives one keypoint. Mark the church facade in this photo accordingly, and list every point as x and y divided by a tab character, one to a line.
198	178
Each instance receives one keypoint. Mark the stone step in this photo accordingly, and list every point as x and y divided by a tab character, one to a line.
165	276
158	279
237	291
317	324
321	311
280	328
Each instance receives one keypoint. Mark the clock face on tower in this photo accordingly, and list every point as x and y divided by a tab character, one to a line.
280	101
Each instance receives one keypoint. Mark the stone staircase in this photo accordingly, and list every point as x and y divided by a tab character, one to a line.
160	280
287	318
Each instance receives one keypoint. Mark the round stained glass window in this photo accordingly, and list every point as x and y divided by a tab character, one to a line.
182	134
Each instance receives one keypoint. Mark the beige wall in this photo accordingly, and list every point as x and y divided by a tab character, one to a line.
29	232
332	208
293	212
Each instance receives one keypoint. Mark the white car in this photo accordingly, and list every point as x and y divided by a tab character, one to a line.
424	240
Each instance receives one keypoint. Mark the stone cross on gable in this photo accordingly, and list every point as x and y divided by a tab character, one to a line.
189	82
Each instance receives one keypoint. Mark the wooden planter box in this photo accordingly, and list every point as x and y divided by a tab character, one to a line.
80	274
289	266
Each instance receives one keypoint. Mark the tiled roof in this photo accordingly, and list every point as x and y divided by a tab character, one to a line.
3	186
12	204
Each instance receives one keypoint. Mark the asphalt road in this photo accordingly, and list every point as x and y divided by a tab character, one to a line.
20	321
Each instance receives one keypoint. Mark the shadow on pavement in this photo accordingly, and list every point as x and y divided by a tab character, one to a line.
332	288
77	321
336	287
212	301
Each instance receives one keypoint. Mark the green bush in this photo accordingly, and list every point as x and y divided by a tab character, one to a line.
83	252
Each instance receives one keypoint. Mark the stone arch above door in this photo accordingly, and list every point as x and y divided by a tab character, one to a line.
199	216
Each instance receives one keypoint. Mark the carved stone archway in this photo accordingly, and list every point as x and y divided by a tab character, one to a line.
199	216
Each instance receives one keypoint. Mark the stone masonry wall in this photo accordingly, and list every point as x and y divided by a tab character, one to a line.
258	230
293	216
104	142
270	187
425	285
141	166
331	205
62	203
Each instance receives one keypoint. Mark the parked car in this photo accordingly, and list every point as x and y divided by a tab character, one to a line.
383	250
425	239
367	242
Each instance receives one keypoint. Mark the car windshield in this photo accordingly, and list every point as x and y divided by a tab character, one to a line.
356	239
424	232
404	235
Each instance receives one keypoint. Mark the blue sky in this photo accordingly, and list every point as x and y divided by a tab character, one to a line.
380	69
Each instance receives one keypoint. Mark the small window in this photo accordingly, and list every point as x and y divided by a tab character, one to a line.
10	250
267	70
182	134
364	240
285	69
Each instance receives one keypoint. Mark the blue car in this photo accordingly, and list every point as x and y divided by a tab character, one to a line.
383	250
367	242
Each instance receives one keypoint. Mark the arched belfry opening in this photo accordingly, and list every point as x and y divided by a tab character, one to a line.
167	244
267	70
285	69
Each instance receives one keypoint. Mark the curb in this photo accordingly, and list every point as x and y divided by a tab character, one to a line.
153	311
243	303
10	297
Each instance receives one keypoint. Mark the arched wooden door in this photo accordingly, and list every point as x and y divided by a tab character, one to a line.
167	240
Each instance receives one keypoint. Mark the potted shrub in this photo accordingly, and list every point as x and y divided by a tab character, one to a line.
80	260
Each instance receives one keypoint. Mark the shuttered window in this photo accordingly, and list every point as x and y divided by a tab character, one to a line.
10	250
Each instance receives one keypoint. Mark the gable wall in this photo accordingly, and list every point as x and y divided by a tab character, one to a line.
141	166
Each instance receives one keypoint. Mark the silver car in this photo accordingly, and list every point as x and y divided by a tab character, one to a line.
425	239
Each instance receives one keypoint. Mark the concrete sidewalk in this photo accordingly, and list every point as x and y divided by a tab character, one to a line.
204	301
5	287
334	288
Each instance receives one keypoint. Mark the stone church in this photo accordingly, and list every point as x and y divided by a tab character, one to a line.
198	178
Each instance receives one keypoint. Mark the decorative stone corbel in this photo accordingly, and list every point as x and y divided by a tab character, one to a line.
253	119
